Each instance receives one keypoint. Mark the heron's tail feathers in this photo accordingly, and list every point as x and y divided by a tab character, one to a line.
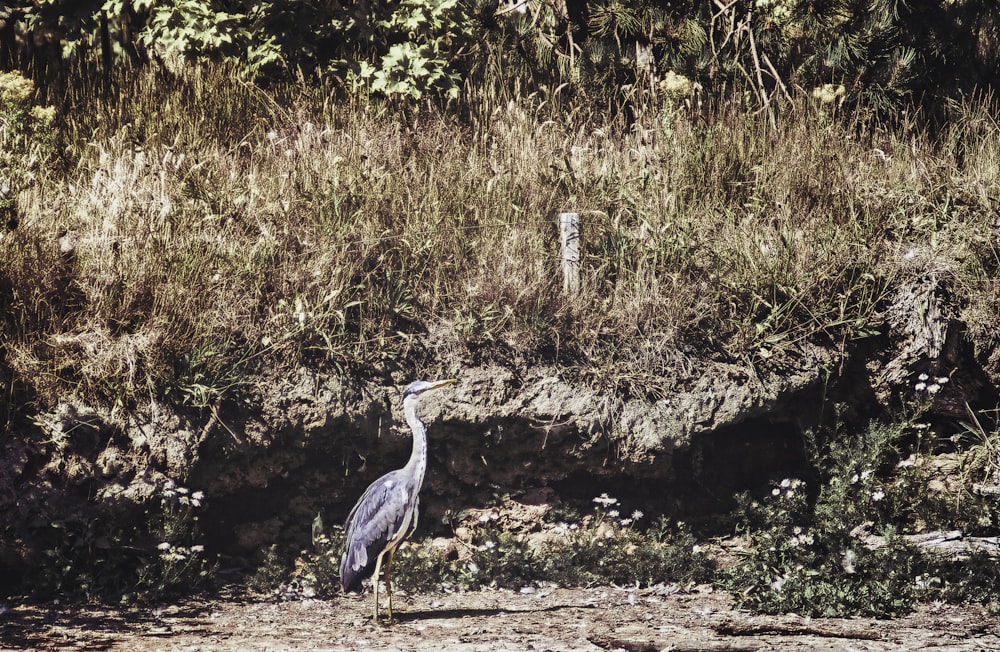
352	573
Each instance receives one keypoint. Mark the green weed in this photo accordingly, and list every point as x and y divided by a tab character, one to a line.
805	548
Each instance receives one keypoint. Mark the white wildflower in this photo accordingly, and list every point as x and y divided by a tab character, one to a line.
164	546
847	561
942	380
636	515
920	387
605	500
933	388
878	495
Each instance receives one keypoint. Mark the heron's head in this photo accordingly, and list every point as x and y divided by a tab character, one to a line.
420	386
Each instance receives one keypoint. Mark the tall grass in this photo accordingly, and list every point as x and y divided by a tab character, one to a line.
220	229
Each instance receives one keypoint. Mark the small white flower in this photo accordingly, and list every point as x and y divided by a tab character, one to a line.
942	380
776	492
854	479
786	483
933	388
923	377
605	500
613	513
164	546
847	562
878	495
198	495
198	548
920	387
636	515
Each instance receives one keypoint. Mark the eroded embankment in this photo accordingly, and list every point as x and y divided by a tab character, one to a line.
307	443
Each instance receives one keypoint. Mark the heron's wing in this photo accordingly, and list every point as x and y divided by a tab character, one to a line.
384	513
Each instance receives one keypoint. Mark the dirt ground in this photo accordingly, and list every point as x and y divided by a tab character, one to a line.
595	619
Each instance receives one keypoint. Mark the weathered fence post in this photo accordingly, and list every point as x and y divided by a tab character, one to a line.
569	232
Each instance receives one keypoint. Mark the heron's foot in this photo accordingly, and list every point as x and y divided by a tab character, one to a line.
388	621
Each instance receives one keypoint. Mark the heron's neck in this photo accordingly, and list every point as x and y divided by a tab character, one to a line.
418	457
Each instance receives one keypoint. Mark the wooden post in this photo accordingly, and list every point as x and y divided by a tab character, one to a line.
569	236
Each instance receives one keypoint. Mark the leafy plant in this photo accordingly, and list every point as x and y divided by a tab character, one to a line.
797	563
806	550
181	564
145	557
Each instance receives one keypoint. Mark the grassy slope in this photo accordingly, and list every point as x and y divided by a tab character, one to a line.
217	228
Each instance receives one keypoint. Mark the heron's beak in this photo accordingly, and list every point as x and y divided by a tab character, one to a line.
443	383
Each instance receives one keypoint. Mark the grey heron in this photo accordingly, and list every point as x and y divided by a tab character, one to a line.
387	512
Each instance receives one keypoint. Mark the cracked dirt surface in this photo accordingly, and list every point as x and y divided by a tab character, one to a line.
603	618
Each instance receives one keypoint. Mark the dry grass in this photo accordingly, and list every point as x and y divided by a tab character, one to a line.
219	228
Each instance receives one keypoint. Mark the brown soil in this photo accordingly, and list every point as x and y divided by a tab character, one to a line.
558	619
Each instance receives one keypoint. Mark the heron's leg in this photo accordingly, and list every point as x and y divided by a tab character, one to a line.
388	581
378	568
